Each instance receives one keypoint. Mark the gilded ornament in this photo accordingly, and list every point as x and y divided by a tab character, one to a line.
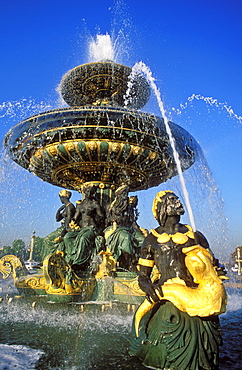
137	150
177	238
115	147
52	150
38	154
69	146
124	287
5	268
152	155
107	265
65	193
146	262
209	298
9	264
92	145
67	175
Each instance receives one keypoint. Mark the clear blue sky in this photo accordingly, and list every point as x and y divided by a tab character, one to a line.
192	47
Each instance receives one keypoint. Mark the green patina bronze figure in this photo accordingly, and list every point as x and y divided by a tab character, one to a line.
80	243
64	214
177	325
123	236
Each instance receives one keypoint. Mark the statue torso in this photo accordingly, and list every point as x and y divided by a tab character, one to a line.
166	251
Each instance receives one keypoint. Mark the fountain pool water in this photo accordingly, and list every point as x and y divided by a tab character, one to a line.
47	336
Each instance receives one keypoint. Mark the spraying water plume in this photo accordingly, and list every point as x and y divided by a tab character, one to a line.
101	48
106	47
141	67
210	101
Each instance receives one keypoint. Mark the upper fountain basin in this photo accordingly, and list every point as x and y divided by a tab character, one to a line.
104	83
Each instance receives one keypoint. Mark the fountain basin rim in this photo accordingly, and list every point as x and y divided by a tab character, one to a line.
72	112
91	126
90	108
107	61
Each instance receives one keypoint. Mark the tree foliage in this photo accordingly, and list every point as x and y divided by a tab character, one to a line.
19	249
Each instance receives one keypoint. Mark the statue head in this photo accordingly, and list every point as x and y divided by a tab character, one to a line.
65	194
133	201
89	191
166	203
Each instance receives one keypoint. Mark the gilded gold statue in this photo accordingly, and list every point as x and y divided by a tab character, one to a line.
177	325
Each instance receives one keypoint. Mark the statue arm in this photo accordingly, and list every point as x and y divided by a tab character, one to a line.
70	211
146	263
201	240
77	215
59	214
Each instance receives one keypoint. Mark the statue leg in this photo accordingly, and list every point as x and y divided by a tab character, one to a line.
171	339
121	245
49	245
84	248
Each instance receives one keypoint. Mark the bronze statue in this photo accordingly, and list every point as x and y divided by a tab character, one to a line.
139	232
118	210
51	242
123	235
88	211
80	244
177	325
65	212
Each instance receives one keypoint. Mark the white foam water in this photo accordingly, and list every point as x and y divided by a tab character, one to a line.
101	48
18	357
107	47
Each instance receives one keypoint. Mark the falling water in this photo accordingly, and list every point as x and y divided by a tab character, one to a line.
21	108
141	67
17	185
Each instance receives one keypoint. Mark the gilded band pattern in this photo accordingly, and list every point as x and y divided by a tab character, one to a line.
145	262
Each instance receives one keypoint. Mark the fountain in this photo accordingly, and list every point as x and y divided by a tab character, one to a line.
104	147
101	140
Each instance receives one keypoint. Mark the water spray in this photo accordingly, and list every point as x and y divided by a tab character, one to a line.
141	67
101	48
213	102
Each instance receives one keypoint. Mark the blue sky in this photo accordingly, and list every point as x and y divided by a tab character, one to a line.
193	49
